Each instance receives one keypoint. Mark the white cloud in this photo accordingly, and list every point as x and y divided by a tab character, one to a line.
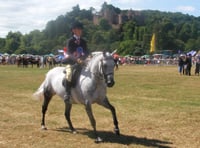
28	15
186	8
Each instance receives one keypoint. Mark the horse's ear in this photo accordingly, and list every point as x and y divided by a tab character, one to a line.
115	51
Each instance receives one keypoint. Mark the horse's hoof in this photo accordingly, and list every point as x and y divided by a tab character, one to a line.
43	127
117	132
74	132
98	140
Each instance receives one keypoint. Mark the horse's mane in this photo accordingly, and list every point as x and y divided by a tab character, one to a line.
93	58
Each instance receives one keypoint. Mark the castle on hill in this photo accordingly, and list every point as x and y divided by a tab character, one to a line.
116	19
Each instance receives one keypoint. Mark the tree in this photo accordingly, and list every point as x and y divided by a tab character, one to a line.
128	30
174	31
127	47
2	44
104	25
50	30
98	38
185	32
13	42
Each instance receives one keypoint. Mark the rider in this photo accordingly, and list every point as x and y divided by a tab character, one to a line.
77	52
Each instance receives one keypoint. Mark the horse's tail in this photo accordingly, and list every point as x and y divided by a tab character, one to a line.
39	94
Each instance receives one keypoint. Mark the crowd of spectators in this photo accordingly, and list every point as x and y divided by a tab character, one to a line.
149	60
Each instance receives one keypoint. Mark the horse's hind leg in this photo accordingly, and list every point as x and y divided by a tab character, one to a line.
47	98
107	105
68	107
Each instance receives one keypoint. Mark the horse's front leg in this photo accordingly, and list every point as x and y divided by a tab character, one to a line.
68	107
107	105
92	120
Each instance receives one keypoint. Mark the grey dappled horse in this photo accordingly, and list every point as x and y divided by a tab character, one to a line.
90	88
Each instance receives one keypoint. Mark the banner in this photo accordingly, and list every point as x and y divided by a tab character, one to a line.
153	44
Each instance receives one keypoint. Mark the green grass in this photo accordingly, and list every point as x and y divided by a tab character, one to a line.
155	107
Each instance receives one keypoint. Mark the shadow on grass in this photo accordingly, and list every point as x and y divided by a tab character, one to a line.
110	137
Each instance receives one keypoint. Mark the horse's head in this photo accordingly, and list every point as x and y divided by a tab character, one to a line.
102	66
107	68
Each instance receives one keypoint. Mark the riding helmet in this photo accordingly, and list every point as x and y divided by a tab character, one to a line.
77	25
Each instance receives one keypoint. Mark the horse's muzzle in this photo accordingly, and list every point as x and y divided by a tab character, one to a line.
110	81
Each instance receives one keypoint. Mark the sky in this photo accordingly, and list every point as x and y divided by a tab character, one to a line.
28	15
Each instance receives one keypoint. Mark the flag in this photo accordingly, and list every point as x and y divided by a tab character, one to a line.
153	44
65	49
65	52
192	53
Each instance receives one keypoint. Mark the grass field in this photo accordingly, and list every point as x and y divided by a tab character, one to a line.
156	107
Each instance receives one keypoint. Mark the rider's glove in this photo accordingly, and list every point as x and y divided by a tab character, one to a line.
79	61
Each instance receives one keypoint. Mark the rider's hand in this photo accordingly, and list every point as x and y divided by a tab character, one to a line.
79	61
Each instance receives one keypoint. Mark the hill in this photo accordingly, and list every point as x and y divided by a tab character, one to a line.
111	28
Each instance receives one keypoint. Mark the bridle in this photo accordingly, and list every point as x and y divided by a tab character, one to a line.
104	71
101	73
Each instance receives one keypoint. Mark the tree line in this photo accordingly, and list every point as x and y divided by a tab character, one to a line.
174	31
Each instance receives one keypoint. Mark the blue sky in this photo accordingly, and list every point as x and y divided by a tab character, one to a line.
28	15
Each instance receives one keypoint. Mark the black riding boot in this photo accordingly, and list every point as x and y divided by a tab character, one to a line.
67	96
